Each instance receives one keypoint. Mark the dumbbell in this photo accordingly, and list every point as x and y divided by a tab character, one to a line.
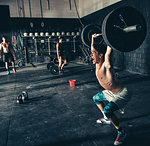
22	97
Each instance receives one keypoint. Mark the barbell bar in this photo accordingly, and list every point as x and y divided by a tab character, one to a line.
126	29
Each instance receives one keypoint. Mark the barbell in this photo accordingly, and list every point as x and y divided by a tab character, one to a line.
123	29
52	68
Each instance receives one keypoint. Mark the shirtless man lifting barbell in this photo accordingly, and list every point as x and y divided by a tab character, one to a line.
115	94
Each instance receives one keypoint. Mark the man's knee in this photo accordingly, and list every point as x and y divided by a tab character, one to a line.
109	109
107	112
97	98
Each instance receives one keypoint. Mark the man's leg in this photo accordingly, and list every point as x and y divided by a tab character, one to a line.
108	111
6	60
11	58
101	107
7	67
64	63
99	100
13	65
60	63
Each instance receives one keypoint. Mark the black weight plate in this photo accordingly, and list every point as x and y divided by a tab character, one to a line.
118	39
49	65
55	60
54	70
20	63
87	33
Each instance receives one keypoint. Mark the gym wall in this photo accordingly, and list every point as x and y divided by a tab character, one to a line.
19	23
50	25
87	7
41	8
135	61
5	21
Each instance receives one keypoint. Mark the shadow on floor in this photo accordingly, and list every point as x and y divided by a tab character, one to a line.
133	118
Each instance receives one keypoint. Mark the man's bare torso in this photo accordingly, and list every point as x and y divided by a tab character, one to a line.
107	79
5	47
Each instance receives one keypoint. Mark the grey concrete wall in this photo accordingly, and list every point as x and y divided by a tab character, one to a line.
89	6
58	8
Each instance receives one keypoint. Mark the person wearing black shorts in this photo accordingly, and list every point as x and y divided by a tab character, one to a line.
61	54
8	53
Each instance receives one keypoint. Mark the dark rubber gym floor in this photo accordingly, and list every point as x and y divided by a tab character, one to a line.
59	115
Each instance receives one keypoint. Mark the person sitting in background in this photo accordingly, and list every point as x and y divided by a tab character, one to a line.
61	54
8	53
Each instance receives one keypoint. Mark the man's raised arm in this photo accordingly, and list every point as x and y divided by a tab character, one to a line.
107	57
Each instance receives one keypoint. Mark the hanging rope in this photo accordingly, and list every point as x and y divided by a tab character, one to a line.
70	4
78	14
48	4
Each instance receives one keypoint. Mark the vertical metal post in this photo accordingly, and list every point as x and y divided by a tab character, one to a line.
49	46
26	55
74	44
36	49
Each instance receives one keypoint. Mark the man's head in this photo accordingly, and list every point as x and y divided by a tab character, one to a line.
4	38
98	52
60	39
